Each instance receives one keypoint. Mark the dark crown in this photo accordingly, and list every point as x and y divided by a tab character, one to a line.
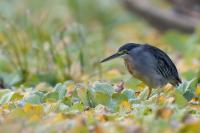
128	46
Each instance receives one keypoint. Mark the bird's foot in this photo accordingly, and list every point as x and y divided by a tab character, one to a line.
149	93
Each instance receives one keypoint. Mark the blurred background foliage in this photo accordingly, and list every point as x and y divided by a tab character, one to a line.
54	41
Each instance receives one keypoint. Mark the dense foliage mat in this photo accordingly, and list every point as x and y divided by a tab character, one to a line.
99	107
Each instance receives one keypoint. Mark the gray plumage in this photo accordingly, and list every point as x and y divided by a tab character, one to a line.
152	66
148	64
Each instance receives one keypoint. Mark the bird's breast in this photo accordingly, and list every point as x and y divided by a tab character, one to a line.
131	69
144	71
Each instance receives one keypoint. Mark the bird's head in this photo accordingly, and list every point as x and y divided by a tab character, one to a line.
122	51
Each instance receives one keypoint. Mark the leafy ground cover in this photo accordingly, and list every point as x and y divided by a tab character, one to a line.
99	107
45	43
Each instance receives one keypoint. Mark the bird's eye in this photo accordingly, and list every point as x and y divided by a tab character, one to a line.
125	51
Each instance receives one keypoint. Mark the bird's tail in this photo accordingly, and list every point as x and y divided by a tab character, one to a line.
176	81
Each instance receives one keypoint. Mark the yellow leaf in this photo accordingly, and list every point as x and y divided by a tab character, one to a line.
6	106
168	88
164	113
101	117
27	107
162	99
141	86
125	106
33	112
197	91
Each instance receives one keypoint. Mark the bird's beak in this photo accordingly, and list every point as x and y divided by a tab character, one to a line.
111	57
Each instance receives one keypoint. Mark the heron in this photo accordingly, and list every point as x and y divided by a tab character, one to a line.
149	64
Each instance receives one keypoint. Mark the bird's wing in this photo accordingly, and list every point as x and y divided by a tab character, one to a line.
164	66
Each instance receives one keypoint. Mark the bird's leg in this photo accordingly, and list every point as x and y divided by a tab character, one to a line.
149	93
158	97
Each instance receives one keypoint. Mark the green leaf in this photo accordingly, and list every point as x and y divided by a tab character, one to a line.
188	86
67	101
100	93
36	98
51	97
187	89
16	96
102	98
90	99
180	99
78	106
11	79
4	91
188	95
144	93
61	89
129	93
117	98
192	84
63	107
103	88
6	97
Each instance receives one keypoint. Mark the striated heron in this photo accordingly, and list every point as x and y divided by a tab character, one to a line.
148	64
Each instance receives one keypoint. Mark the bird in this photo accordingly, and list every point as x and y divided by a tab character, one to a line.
149	64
